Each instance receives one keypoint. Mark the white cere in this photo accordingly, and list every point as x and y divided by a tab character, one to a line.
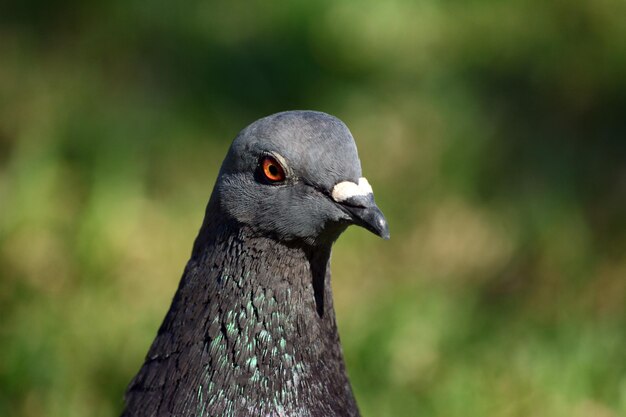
347	189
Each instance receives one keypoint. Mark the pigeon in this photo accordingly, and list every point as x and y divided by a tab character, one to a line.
251	330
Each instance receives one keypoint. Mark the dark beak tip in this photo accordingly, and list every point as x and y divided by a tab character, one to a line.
384	230
375	222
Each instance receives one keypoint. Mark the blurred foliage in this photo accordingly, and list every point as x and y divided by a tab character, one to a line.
494	134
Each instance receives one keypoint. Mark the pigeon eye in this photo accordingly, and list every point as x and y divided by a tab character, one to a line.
272	170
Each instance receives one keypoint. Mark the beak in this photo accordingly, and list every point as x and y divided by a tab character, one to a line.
358	201
367	214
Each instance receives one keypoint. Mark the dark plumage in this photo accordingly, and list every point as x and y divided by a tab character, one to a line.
251	330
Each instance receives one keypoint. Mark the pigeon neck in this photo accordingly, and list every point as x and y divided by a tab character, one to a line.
260	262
296	266
262	313
251	331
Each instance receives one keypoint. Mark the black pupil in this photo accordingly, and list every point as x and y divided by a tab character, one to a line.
273	170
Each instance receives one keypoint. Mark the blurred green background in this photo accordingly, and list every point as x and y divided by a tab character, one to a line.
494	134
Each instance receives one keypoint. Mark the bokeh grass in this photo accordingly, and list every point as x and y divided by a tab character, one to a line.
493	134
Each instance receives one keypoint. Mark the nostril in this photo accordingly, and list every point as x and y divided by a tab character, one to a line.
360	201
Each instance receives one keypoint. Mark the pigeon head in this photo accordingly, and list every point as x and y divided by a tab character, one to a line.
296	176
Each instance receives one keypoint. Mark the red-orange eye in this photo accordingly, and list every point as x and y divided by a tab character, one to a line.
272	169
